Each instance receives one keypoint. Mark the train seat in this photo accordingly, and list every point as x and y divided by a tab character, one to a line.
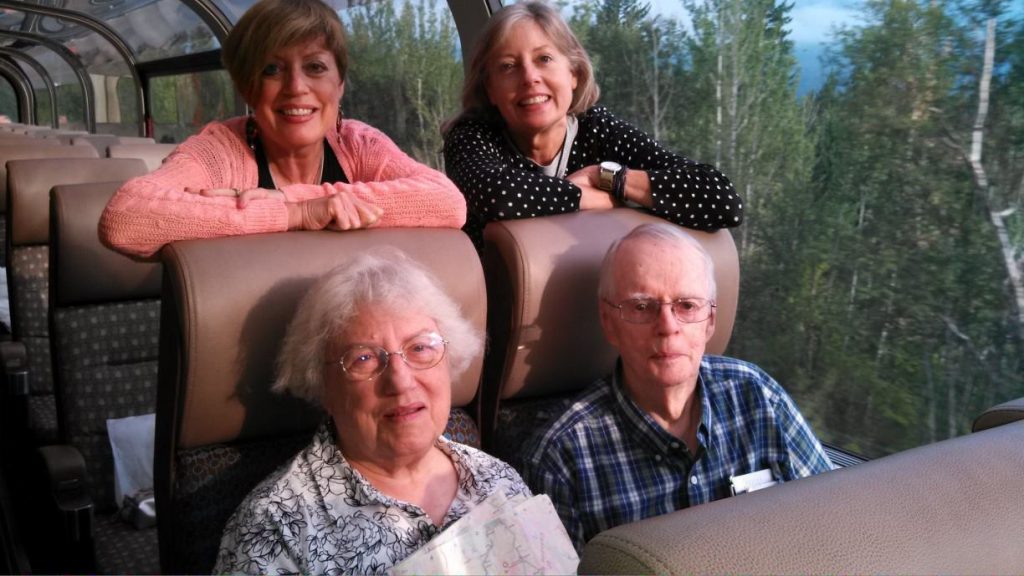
546	339
999	415
951	507
98	141
20	149
226	305
135	140
104	322
152	154
28	205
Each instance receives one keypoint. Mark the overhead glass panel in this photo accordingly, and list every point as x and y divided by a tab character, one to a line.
153	29
234	9
8	102
66	86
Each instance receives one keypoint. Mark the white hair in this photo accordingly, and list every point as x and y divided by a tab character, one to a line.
665	232
381	277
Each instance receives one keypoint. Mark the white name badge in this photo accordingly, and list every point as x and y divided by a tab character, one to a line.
751	482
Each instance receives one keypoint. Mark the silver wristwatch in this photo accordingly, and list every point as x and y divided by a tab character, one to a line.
607	172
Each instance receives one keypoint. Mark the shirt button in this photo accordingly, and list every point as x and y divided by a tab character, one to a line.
657	457
693	480
675	445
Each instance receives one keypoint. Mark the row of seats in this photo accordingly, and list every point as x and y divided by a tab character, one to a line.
102	331
208	361
75	359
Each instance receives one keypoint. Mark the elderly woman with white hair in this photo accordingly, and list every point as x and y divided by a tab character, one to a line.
377	343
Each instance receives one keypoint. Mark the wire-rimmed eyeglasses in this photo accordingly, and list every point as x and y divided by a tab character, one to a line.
366	362
646	310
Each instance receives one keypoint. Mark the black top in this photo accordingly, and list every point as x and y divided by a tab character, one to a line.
332	168
499	183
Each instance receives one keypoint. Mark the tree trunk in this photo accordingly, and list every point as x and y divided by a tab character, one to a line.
981	178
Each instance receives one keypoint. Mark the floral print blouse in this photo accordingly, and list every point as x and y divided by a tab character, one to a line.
318	515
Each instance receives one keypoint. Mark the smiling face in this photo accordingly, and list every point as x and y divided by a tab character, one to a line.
297	99
397	416
664	353
530	81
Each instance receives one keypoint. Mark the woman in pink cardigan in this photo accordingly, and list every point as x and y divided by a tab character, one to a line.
293	164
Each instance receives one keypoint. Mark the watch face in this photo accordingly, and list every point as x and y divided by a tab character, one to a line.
607	171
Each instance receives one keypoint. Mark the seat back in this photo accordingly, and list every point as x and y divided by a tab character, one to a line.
23	147
226	306
28	231
135	140
546	338
104	328
100	142
152	154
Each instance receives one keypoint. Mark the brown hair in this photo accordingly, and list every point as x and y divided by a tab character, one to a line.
475	103
270	25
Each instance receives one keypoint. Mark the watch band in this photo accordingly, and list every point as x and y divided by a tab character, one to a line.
618	190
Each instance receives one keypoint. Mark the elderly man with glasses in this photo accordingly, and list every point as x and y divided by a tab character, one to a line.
671	427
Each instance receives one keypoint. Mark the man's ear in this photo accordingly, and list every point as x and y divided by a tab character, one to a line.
710	328
607	315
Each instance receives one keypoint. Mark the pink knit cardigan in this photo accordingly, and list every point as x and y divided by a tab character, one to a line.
153	210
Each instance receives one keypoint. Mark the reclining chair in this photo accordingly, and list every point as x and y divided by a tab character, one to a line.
28	206
104	327
153	154
546	339
226	306
20	148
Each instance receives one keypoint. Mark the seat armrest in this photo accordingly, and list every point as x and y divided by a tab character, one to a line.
998	415
64	468
952	507
14	359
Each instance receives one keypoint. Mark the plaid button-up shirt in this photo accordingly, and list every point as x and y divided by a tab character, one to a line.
606	462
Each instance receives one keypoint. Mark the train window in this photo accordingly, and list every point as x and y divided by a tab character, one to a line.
183	104
881	281
8	102
405	73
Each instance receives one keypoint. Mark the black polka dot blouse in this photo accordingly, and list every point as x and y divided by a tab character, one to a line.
500	184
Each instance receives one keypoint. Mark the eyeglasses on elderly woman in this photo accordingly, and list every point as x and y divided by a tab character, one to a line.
365	362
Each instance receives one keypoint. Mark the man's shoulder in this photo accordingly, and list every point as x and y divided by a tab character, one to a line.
725	374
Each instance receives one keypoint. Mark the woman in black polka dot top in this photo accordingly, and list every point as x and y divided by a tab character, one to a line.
530	141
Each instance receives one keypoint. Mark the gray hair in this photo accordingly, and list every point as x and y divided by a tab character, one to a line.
664	232
382	276
476	104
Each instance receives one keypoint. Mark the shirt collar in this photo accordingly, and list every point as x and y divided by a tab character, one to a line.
654	436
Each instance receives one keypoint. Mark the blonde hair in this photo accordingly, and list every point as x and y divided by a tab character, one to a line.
270	25
476	104
381	277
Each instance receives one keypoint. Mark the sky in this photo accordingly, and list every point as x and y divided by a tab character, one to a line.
813	22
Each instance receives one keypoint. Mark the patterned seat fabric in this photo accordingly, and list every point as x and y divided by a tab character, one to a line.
519	420
29	277
107	362
42	418
462	429
107	368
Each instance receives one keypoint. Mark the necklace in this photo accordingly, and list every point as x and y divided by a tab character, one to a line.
557	168
319	174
